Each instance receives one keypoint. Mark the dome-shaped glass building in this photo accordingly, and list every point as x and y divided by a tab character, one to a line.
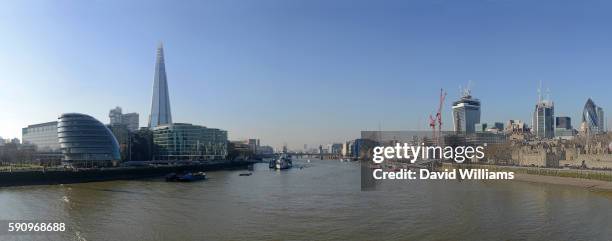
85	141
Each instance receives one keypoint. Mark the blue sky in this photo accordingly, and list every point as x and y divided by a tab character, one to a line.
301	72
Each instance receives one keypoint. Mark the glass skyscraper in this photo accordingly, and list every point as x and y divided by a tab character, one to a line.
593	117
160	104
466	113
544	119
601	121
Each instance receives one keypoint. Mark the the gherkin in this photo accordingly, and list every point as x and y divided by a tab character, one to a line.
590	116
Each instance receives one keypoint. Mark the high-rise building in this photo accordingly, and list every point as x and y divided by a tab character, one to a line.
563	128
600	118
115	116
592	118
130	120
160	104
543	125
543	120
466	113
563	122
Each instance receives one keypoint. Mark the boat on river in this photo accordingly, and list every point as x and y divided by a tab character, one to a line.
185	177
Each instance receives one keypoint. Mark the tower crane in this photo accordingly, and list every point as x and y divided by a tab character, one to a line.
437	121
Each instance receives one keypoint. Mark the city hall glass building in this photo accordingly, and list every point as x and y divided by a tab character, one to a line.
85	141
181	141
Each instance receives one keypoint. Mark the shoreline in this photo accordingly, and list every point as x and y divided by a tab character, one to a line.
27	178
589	184
560	177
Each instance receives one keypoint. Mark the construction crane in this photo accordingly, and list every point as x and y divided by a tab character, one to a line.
437	121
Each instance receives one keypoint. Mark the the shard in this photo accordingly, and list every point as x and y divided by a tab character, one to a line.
160	104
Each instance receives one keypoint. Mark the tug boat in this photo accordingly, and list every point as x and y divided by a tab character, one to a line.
185	177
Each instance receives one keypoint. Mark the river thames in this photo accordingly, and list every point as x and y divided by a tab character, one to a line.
318	200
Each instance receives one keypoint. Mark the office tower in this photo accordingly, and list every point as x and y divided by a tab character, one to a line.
563	122
592	118
43	136
543	119
195	142
130	120
115	116
563	128
160	104
466	113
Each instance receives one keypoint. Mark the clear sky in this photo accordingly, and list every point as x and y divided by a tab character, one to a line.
301	72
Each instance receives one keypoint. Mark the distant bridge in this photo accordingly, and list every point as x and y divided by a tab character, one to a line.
322	156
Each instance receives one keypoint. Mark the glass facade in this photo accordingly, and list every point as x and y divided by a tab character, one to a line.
160	104
43	136
600	119
544	120
181	141
563	122
86	141
466	114
592	116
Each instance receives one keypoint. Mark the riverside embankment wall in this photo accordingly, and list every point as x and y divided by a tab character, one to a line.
23	178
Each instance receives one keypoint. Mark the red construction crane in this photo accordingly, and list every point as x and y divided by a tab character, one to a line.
432	121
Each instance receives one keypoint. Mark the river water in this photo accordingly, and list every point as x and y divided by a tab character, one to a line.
320	200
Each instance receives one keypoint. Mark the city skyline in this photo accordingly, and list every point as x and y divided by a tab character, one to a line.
314	91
